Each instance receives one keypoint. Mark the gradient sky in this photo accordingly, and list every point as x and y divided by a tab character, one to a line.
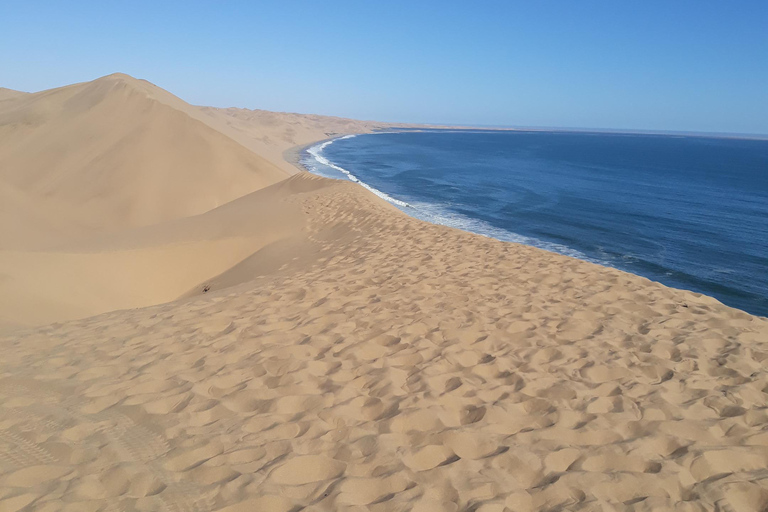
699	65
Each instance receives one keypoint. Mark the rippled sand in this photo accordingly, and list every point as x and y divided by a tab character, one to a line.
376	362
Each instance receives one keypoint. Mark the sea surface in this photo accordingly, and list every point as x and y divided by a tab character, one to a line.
688	211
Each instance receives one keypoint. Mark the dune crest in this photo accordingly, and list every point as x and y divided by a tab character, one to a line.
8	94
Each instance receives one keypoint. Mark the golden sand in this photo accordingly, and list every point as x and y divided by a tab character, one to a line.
327	352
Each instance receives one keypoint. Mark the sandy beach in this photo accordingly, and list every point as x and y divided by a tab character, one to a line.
192	324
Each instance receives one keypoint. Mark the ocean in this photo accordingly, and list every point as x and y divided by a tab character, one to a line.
688	211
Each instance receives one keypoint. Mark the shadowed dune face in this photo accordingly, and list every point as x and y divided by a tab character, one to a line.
403	366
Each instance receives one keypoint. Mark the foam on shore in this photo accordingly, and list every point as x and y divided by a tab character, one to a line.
432	212
317	154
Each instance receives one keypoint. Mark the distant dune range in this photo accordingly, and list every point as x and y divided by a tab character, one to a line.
269	340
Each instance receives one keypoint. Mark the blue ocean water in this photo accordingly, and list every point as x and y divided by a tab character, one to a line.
688	211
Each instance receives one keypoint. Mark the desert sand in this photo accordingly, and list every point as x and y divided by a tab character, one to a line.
296	343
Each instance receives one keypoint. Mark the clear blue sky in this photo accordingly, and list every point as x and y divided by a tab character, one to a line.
699	65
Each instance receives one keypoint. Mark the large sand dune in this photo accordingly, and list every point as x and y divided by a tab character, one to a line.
115	153
330	353
95	176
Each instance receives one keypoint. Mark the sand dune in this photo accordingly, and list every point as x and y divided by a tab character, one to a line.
142	266
86	165
406	367
331	353
114	153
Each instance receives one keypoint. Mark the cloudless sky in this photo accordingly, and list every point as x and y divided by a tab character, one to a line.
691	65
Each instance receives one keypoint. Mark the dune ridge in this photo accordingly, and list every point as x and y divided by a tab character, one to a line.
349	357
7	94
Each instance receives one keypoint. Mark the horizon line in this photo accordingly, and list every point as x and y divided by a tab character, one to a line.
618	131
455	126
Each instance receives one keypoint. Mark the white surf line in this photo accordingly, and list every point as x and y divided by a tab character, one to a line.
437	214
317	154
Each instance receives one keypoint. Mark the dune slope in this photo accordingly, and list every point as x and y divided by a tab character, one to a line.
143	266
99	180
400	366
114	153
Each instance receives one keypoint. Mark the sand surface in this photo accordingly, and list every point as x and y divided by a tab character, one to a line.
327	352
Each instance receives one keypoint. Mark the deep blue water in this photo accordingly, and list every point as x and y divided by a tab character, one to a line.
688	211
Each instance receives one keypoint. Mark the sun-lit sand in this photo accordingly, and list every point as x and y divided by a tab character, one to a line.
297	343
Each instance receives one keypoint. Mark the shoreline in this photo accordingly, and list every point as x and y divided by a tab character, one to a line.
501	234
292	155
